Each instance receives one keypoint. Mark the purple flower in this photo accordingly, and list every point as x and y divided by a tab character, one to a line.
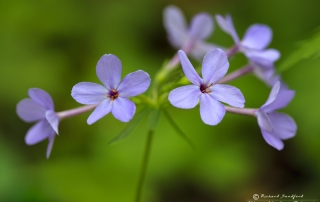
113	95
39	108
253	45
215	65
255	40
276	126
191	39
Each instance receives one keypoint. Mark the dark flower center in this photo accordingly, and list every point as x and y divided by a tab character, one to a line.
205	89
113	94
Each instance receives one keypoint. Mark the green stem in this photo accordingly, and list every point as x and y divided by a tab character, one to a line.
176	127
144	165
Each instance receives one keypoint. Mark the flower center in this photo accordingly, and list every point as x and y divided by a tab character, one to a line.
205	89
113	94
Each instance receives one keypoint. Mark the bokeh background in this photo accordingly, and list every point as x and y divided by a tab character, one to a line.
55	44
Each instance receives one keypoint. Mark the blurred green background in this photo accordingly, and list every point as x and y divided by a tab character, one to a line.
55	44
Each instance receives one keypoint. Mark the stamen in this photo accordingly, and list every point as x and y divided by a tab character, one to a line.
113	94
205	89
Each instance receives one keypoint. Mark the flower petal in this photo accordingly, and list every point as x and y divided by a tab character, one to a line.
273	95
272	140
42	97
39	132
185	97
257	37
50	145
264	58
283	98
227	26
188	69
30	111
283	125
215	65
100	111
266	74
123	109
201	26
134	84
211	110
175	25
53	120
227	94
109	71
89	93
264	121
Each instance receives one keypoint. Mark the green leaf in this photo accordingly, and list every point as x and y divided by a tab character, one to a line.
154	118
131	125
307	49
178	130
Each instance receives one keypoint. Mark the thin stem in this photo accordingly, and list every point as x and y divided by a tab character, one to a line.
144	164
241	111
233	75
175	60
176	127
232	50
76	111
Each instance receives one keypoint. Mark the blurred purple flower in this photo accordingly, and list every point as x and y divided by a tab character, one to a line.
190	40
253	45
215	65
276	126
113	95
255	40
266	74
39	108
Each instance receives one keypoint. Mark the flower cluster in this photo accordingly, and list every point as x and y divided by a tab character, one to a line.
209	89
111	97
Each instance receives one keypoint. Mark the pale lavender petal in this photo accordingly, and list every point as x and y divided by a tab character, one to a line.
123	109
39	132
53	120
211	110
264	58
188	69
42	97
185	97
30	111
89	93
134	84
175	25
283	125
50	145
226	25
100	111
283	98
266	74
272	140
273	94
201	26
109	71
215	65
264	121
257	37
223	23
200	49
227	94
